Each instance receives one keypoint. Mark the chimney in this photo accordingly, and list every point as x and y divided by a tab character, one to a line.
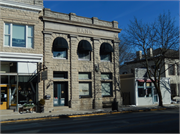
150	52
139	55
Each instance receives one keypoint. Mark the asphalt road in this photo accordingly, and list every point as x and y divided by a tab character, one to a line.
166	121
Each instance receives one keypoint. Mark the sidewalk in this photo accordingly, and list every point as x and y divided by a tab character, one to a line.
17	117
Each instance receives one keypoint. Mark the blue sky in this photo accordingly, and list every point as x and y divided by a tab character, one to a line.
121	11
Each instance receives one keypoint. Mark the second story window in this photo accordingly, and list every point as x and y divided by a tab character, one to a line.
171	69
16	35
60	47
105	52
84	50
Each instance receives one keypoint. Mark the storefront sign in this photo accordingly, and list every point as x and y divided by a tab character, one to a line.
44	75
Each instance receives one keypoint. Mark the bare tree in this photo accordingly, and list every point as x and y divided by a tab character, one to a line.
125	53
162	36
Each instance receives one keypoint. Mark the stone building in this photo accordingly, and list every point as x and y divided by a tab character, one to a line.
81	56
71	59
21	51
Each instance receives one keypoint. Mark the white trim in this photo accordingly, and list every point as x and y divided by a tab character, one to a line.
21	57
26	36
20	5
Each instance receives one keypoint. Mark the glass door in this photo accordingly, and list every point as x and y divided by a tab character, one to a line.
155	95
59	94
13	95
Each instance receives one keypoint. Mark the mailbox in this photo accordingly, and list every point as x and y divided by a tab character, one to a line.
47	97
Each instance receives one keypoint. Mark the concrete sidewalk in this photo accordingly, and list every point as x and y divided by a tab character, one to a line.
17	117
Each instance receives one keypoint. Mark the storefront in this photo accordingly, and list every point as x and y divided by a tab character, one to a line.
138	89
19	79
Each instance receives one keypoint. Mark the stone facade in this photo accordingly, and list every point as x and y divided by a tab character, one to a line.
73	29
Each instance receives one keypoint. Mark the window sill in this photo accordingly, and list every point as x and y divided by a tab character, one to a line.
105	61
60	58
17	47
84	60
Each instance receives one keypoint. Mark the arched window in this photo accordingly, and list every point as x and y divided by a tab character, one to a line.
60	47
84	50
105	52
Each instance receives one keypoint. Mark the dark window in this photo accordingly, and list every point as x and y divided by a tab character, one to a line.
173	89
60	75
105	52
84	50
141	92
171	69
84	55
178	69
60	47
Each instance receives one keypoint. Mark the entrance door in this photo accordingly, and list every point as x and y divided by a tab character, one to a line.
60	94
155	95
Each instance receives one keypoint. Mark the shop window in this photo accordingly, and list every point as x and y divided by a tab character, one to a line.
18	35
171	69
84	76
145	89
106	76
105	52
84	50
60	47
60	75
106	88
84	89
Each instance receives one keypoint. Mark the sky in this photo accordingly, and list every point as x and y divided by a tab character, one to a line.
121	11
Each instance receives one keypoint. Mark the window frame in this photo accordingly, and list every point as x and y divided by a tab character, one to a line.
11	35
89	59
145	87
111	89
88	73
171	66
109	80
110	60
89	81
90	89
66	57
60	72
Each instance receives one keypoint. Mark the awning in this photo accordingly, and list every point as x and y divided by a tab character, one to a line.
106	48
59	44
84	45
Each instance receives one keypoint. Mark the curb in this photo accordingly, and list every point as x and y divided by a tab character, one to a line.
79	115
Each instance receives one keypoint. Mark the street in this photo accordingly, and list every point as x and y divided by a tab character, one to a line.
165	121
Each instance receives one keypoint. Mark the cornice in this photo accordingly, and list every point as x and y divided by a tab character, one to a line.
20	5
49	19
